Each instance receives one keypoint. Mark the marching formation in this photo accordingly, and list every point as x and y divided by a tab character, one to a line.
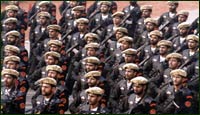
107	61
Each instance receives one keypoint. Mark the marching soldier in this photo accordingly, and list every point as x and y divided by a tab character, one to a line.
176	98
93	106
91	38
154	67
49	103
139	101
12	98
179	43
124	86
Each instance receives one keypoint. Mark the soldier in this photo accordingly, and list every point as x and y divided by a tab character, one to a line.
54	71
154	67
13	62
102	19
179	43
146	11
176	98
139	101
51	58
175	60
173	30
67	13
10	50
91	38
150	25
93	79
13	99
124	86
49	103
192	51
155	36
168	18
93	106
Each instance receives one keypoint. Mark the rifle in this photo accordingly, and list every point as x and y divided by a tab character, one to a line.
172	37
69	32
142	62
189	60
93	13
33	16
71	48
166	24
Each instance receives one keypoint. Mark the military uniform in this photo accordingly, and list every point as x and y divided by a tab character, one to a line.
13	99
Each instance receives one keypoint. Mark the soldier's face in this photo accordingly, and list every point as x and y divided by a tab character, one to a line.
52	74
90	40
46	89
172	7
8	80
91	52
154	39
42	20
177	80
104	8
54	48
50	60
90	67
150	26
163	50
82	27
11	13
182	18
11	40
129	58
10	53
43	8
192	44
173	63
10	26
53	33
93	99
11	65
183	31
117	20
92	81
73	3
138	89
119	35
146	13
77	14
124	45
129	74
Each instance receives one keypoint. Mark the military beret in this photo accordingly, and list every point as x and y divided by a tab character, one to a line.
44	3
180	72
129	51
9	72
78	8
146	7
121	14
174	55
12	7
92	74
12	48
95	90
11	58
151	20
183	25
93	60
82	21
44	14
183	12
47	80
105	3
156	32
92	45
54	27
164	43
139	80
52	53
193	37
13	33
92	35
172	2
121	29
55	42
10	20
131	66
54	68
125	38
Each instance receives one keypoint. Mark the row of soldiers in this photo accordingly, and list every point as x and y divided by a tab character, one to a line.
109	61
